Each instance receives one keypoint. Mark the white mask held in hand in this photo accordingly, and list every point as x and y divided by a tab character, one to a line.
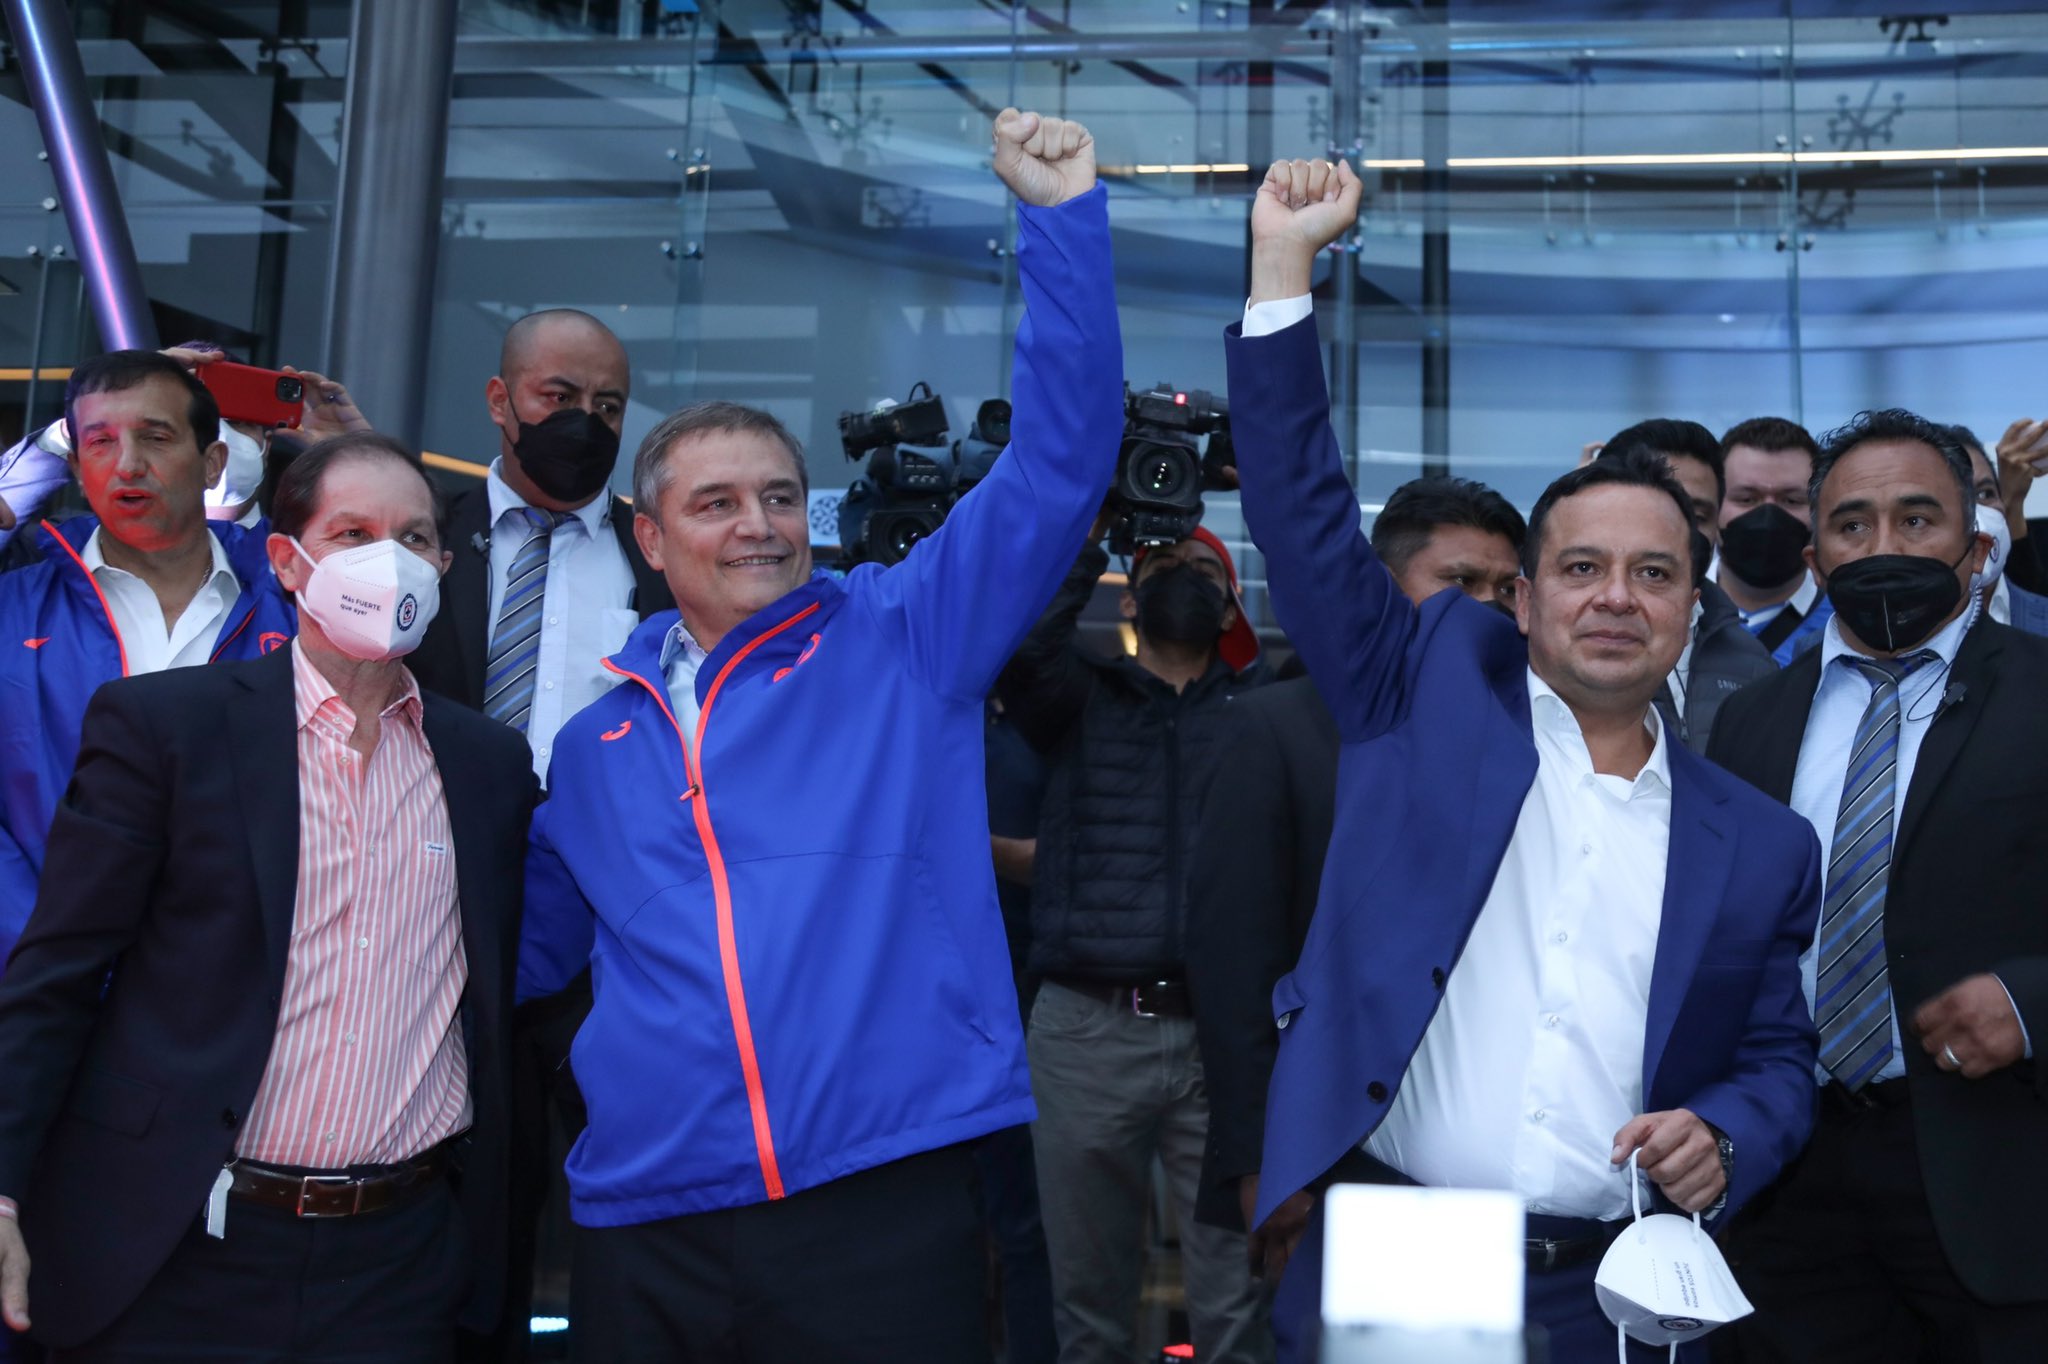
374	601
243	474
1663	1281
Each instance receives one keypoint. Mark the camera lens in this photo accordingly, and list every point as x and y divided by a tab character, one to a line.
1160	475
903	535
289	389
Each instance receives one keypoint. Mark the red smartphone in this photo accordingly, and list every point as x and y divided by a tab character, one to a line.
265	397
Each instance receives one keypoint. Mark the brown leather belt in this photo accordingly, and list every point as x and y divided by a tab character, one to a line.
339	1194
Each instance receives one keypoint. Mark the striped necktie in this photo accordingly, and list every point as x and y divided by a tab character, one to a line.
515	644
1852	1003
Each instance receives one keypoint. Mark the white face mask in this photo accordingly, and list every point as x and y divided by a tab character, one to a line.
1663	1281
244	472
1991	521
373	602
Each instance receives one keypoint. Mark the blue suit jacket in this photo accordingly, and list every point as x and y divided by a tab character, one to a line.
1438	754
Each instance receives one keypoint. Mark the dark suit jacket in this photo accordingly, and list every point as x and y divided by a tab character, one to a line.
450	659
1965	896
1432	704
1265	825
139	1007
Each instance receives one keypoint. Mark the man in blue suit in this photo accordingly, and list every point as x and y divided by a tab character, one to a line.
1548	935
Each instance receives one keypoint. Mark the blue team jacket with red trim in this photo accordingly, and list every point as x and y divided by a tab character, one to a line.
57	644
799	966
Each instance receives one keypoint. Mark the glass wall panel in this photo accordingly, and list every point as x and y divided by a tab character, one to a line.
1578	214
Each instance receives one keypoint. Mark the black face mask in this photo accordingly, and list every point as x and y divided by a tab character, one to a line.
1895	601
1765	546
570	455
1178	605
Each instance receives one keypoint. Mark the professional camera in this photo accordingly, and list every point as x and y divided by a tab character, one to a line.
974	454
908	486
1162	468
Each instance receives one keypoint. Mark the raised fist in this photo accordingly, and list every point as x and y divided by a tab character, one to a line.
1044	161
1301	208
1306	203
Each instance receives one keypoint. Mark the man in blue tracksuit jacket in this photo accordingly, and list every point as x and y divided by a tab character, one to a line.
66	626
774	857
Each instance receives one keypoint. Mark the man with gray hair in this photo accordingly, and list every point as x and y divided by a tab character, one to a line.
771	845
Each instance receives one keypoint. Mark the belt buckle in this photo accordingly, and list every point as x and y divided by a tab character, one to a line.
1137	1006
1549	1248
305	1187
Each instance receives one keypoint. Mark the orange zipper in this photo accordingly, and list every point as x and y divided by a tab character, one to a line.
721	894
223	646
76	559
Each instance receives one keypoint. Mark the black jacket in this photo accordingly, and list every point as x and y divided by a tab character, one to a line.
1129	759
1726	657
1257	866
450	659
1964	897
139	1007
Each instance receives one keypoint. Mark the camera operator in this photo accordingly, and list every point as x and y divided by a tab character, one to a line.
1132	743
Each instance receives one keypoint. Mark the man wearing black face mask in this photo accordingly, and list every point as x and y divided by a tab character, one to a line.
1912	739
545	583
1133	743
1765	524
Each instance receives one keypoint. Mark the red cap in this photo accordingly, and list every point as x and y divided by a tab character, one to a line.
1239	646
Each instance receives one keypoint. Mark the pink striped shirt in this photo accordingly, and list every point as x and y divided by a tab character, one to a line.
368	1065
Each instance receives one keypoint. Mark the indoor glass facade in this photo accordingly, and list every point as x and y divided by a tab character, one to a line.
1578	214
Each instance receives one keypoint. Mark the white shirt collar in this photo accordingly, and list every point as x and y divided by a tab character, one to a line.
1801	600
95	560
1547	708
1945	643
680	643
503	501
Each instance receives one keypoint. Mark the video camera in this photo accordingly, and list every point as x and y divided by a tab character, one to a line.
913	477
1163	468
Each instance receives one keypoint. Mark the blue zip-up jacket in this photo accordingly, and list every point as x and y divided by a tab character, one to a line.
799	966
58	643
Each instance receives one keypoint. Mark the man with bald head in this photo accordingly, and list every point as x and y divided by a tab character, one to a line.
546	581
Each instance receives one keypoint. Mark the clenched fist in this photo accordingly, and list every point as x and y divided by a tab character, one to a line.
1044	161
1301	208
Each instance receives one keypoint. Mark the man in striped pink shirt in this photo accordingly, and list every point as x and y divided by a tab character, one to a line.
255	1030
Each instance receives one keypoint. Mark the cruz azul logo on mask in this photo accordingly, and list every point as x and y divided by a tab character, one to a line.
372	601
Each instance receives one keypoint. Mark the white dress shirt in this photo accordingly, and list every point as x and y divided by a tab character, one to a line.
1275	315
588	610
1801	601
1838	705
149	644
681	657
1535	1058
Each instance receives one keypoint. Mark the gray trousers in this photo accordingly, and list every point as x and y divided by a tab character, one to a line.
1115	1089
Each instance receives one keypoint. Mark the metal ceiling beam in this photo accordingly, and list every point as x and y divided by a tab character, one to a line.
48	50
474	55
